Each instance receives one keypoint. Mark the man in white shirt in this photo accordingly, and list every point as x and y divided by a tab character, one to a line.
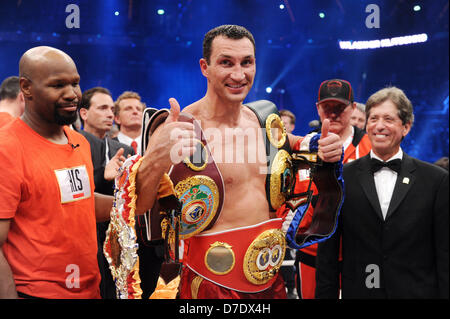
128	114
394	220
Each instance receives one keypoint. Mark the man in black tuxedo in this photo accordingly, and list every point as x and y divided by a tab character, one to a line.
394	221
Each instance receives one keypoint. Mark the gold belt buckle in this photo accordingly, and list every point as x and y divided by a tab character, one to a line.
264	256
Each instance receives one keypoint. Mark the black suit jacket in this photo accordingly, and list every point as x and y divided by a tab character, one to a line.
409	247
97	155
114	146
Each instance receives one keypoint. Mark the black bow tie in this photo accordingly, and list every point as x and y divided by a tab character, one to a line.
394	165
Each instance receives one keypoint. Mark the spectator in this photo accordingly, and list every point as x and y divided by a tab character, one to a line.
12	102
48	206
47	225
358	117
128	111
288	119
394	220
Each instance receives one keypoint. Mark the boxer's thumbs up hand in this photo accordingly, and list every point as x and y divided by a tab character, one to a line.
174	111
174	141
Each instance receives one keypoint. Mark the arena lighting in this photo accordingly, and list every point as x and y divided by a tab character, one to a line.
322	15
416	8
281	6
383	43
161	12
269	89
116	13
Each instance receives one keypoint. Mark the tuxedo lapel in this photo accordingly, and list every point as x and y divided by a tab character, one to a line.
403	184
365	178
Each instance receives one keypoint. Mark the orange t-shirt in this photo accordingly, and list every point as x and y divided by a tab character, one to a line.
353	152
47	191
5	118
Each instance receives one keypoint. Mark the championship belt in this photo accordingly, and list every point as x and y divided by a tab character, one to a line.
245	259
283	165
280	176
197	182
120	247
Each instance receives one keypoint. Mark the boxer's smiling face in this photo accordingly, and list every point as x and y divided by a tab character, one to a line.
232	68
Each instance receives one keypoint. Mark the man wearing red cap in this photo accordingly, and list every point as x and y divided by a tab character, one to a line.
335	103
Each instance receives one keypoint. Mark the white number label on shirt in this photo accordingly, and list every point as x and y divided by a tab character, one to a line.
73	184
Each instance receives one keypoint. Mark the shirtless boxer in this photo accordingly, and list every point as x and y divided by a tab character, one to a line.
229	65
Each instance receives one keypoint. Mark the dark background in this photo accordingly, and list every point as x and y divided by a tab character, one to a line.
157	55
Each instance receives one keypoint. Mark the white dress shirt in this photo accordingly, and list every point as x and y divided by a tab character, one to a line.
127	141
385	180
